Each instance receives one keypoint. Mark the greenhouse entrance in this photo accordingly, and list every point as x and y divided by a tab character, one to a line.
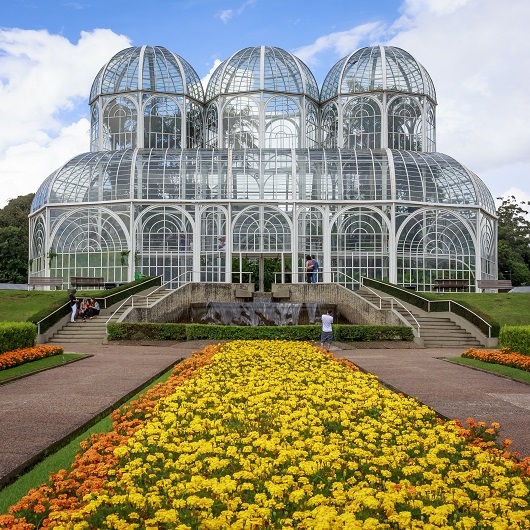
262	269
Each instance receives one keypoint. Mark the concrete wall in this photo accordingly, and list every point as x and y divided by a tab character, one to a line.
351	307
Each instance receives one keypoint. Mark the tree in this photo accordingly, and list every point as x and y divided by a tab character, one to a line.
13	256
514	241
14	239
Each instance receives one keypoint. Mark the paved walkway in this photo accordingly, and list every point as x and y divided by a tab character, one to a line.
39	411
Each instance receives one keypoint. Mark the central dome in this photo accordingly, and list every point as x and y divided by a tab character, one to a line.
262	68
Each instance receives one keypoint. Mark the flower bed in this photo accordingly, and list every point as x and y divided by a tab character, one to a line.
278	434
503	356
25	355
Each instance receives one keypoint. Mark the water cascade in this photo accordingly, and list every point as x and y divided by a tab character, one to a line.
259	312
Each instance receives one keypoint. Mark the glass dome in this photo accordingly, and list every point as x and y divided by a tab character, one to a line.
377	68
262	68
150	69
362	175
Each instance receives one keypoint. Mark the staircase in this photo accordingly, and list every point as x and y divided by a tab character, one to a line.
95	330
437	331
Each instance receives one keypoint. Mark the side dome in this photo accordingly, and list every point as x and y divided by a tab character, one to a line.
376	69
262	68
150	69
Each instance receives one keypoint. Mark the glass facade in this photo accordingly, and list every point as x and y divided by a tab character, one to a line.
189	186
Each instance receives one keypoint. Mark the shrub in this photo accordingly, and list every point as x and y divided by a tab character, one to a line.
159	331
515	338
15	335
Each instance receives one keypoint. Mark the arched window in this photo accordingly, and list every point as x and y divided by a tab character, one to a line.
164	242
405	124
119	124
262	229
330	126
94	128
359	244
362	124
431	128
162	123
282	124
212	126
241	123
434	244
194	119
311	124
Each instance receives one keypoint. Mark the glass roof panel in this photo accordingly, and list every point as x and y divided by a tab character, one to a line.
121	72
160	71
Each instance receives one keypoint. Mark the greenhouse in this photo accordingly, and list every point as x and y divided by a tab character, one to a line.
260	170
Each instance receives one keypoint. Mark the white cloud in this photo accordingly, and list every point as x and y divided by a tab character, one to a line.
44	77
339	43
226	14
477	54
206	78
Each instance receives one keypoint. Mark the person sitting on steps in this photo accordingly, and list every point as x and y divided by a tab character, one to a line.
94	308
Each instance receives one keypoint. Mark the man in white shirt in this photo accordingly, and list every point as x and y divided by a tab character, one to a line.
326	337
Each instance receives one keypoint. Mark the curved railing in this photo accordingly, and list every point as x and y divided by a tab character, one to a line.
431	306
392	302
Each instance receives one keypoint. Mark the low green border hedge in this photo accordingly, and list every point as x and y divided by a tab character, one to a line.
183	332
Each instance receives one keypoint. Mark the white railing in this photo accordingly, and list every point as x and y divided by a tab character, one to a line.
353	281
464	310
392	302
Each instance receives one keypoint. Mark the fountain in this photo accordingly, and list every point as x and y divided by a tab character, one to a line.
260	312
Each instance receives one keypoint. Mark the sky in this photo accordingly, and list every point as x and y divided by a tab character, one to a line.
476	51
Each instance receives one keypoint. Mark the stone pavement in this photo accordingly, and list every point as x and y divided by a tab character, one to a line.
41	410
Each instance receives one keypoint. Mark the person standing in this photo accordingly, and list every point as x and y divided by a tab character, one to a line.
308	269
315	269
73	305
326	338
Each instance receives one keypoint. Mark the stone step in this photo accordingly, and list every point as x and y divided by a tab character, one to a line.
91	340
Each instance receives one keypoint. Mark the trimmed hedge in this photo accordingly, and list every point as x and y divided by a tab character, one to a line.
515	338
16	335
182	332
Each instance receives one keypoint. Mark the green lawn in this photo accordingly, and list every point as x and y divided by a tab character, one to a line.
39	364
508	371
19	306
511	309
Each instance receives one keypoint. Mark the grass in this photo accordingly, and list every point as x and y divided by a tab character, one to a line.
508	371
60	459
19	306
506	308
35	366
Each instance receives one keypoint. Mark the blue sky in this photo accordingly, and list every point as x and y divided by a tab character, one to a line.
476	51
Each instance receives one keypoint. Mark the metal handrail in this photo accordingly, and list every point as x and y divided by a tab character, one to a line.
52	313
465	309
392	300
131	298
349	278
